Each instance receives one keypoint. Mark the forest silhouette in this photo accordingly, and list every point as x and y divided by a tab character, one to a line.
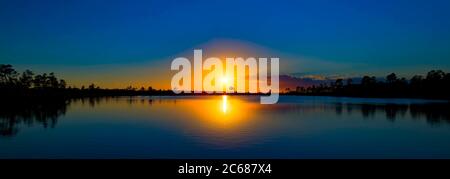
435	85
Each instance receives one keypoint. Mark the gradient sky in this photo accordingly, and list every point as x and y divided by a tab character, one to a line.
114	43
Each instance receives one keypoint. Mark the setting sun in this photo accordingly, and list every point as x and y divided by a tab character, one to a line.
225	80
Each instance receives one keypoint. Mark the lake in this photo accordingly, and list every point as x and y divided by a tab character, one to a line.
226	127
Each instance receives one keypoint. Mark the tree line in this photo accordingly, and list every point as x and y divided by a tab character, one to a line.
29	84
10	78
436	84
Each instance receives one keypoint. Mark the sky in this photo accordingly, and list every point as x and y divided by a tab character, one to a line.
118	43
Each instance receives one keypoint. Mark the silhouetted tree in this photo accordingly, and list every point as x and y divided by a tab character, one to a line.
416	80
91	86
435	75
7	74
40	81
52	81
62	84
391	78
26	80
367	81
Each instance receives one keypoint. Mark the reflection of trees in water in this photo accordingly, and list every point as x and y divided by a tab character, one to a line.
20	112
16	113
44	112
392	111
131	100
433	113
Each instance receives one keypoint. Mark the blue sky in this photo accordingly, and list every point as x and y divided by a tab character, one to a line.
365	36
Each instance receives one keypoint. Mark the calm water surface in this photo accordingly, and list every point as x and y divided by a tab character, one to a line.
227	127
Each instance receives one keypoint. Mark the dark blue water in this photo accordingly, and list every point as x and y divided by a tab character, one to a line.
235	127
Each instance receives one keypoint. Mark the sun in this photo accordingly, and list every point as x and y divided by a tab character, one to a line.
225	80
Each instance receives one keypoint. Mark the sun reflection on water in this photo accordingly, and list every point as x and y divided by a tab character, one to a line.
222	120
224	103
